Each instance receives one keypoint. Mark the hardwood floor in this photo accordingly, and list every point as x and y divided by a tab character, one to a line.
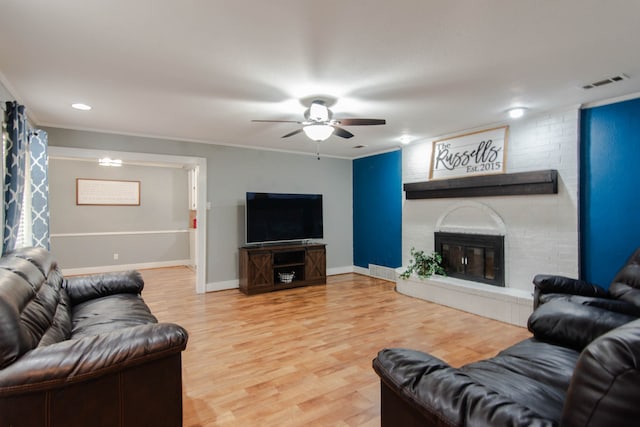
303	356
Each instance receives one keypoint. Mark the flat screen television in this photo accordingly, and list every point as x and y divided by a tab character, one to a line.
278	217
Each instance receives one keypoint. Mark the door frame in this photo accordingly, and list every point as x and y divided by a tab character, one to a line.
159	160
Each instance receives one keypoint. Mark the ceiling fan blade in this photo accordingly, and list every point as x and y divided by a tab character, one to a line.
343	133
362	122
295	132
277	121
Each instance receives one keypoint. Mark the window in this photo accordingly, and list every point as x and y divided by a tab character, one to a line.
25	236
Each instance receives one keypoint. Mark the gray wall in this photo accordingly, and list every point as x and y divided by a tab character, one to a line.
231	172
163	207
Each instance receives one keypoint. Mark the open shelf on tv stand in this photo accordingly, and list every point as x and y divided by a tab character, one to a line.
266	268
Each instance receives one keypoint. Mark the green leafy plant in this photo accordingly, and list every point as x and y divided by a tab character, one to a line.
424	265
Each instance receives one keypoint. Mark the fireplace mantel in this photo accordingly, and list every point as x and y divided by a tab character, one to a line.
511	184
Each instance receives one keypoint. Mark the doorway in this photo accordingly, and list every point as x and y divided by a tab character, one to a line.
199	187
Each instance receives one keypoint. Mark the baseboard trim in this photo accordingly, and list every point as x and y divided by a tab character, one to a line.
377	271
125	267
340	270
361	270
222	286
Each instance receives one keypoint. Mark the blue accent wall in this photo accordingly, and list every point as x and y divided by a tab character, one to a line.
609	188
377	210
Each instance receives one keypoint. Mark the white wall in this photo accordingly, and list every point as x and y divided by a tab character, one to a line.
231	172
541	230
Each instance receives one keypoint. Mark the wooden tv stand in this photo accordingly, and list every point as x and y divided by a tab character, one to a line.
260	267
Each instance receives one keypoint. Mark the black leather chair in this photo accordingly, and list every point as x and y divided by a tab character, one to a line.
623	294
580	367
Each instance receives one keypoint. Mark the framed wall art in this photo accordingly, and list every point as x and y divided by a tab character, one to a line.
475	153
106	192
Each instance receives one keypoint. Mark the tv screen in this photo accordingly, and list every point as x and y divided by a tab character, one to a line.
276	217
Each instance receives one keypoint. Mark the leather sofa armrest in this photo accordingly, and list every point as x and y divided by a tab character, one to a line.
401	366
444	395
71	361
573	325
83	288
552	284
606	381
548	283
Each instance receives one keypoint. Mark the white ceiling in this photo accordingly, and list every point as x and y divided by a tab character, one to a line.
202	70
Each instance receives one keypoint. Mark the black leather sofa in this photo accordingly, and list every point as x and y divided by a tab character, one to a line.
83	351
580	368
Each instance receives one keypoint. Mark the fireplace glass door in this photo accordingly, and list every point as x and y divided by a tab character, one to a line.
472	257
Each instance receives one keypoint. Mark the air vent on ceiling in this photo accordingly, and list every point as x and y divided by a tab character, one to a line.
610	80
360	146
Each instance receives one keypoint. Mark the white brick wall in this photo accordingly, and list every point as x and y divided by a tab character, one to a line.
541	230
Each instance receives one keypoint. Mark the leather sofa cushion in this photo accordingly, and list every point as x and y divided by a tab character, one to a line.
40	258
23	268
34	310
568	324
517	387
626	284
84	288
549	283
618	306
113	312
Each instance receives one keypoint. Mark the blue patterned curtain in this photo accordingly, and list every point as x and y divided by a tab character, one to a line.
20	143
39	189
16	149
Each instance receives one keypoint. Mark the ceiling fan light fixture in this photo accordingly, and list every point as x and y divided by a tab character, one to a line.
318	132
318	112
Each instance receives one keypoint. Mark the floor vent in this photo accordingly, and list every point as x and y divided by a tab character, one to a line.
610	80
381	272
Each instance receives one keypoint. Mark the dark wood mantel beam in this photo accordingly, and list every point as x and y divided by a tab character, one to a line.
510	184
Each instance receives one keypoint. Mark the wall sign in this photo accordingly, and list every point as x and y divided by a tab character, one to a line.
476	153
107	192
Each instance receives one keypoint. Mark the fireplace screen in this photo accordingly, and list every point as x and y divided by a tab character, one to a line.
475	257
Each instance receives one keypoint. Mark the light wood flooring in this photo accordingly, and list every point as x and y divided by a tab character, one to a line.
302	357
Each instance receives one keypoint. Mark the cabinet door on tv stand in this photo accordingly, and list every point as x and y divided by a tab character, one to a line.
260	271
315	265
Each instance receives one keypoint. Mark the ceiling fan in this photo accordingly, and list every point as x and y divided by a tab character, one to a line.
319	123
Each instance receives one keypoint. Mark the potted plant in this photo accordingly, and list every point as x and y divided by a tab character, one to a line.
424	265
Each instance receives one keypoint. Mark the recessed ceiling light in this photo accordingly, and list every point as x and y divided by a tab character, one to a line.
516	113
106	161
81	106
405	139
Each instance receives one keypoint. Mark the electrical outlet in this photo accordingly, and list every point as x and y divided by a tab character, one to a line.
115	256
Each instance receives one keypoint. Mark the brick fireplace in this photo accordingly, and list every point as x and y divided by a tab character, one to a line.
539	230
